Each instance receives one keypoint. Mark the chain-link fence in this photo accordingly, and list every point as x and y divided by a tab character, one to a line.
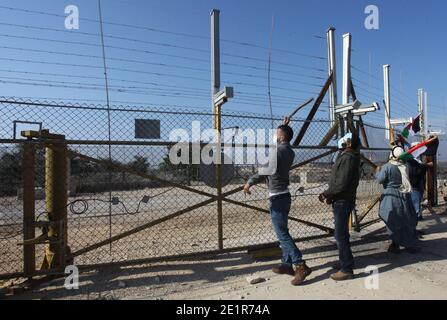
128	201
441	173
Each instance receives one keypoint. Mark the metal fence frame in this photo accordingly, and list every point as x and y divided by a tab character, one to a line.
225	197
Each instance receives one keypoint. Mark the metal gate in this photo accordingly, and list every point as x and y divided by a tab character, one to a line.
120	200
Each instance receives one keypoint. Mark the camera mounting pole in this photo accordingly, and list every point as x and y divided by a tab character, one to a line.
219	98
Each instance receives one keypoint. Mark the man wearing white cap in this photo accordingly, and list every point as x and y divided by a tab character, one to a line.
396	208
342	194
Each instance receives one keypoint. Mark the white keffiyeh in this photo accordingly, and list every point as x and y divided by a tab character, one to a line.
394	160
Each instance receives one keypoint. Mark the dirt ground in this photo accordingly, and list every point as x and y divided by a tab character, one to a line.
193	232
404	276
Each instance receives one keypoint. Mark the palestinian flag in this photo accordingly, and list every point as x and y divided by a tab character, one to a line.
406	131
416	125
429	147
413	127
402	141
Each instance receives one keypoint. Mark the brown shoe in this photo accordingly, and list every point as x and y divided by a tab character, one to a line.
301	273
284	269
342	276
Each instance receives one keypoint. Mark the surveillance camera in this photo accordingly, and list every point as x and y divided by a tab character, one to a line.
345	108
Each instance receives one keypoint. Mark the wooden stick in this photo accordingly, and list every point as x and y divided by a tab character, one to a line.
300	107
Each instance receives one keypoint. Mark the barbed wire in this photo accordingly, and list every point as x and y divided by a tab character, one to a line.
148	107
188	58
155	84
152	63
246	44
159	74
401	95
397	103
177	56
242	98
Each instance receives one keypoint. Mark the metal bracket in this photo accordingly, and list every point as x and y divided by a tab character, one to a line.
42	134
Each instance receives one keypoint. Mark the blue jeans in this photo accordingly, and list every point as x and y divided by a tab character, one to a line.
342	212
416	198
279	212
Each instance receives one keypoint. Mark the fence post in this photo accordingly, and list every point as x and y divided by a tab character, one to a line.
387	100
346	89
215	79
432	182
29	174
432	178
56	198
431	191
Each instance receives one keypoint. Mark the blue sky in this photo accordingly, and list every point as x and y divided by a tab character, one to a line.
174	69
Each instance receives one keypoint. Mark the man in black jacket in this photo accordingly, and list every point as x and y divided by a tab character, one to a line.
341	194
417	172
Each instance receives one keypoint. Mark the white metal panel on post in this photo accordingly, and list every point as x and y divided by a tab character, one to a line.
332	68
215	52
421	108
347	38
401	121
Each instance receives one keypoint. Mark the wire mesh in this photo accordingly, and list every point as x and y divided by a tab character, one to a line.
104	202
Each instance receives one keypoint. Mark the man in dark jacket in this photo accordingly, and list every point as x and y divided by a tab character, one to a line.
280	203
341	194
417	172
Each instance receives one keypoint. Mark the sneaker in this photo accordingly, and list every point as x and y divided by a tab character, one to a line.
420	218
284	269
302	271
342	276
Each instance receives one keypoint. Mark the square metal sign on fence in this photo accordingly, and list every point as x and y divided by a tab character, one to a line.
19	125
147	129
